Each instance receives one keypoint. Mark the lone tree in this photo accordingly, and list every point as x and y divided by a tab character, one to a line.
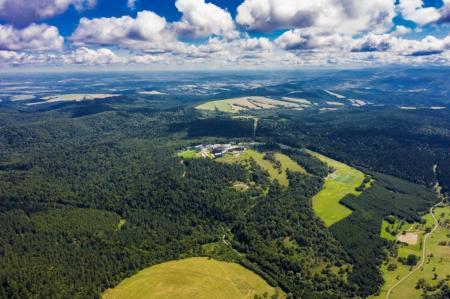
411	260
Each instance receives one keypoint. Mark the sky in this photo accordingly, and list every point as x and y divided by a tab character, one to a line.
222	34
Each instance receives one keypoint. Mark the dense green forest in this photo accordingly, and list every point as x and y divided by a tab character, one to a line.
91	193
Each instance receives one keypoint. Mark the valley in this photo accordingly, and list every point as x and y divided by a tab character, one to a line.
271	190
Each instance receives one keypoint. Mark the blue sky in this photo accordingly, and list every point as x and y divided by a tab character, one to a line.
223	33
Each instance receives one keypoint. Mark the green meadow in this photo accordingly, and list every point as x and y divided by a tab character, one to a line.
341	182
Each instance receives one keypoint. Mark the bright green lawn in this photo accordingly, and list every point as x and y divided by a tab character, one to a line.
440	261
187	154
384	234
397	227
337	185
197	277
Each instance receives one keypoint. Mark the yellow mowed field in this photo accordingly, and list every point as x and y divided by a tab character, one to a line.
275	174
197	277
326	204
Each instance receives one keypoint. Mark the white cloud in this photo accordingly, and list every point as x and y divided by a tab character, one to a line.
349	16
299	39
413	10
148	59
427	46
80	56
147	30
401	30
87	56
24	12
34	37
131	4
374	43
150	32
202	19
217	52
10	57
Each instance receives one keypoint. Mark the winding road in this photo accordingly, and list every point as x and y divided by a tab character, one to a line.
424	249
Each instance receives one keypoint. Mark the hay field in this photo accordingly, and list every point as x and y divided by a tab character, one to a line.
337	185
197	277
247	103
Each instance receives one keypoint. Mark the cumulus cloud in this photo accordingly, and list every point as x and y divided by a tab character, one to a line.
350	16
413	10
299	39
429	45
147	30
202	19
80	56
10	57
24	12
150	32
87	56
374	43
215	52
318	32
401	30
34	37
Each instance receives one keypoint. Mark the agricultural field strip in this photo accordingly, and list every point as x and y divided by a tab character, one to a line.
250	103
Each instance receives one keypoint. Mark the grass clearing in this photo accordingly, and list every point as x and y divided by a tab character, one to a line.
121	223
288	163
197	277
275	174
216	105
343	181
389	231
438	263
240	186
189	154
384	233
